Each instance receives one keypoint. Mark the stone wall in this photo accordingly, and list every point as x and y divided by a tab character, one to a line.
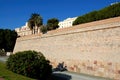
92	48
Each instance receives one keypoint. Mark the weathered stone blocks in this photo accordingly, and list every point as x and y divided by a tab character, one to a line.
91	48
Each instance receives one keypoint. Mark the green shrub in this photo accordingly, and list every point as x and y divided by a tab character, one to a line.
107	12
7	39
29	63
43	29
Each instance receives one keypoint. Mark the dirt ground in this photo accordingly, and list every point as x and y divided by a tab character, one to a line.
1	78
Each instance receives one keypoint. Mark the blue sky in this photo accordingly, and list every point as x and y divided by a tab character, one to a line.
14	13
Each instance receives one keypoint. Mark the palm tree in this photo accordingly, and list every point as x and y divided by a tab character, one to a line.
35	22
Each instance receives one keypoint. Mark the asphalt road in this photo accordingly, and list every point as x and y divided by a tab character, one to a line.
3	58
73	76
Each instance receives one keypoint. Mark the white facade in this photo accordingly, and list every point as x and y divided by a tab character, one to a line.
67	22
114	3
24	30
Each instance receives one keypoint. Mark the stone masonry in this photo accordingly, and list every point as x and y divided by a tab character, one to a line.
91	48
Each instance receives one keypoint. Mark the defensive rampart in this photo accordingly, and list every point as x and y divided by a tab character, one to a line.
92	48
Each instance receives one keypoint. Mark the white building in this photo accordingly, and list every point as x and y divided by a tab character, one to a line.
67	22
114	3
24	30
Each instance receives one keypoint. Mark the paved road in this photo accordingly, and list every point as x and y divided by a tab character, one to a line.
74	76
3	58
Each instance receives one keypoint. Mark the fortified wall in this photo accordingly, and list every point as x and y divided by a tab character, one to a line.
91	48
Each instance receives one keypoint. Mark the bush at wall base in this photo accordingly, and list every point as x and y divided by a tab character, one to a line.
29	63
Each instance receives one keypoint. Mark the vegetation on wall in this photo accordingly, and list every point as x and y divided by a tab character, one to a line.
43	29
35	21
52	24
30	63
107	12
7	39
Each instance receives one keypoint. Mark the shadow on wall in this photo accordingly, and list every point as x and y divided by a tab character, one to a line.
57	72
60	67
62	76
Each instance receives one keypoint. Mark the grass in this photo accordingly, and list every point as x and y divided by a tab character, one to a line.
8	75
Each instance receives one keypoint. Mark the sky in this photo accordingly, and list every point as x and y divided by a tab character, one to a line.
15	13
